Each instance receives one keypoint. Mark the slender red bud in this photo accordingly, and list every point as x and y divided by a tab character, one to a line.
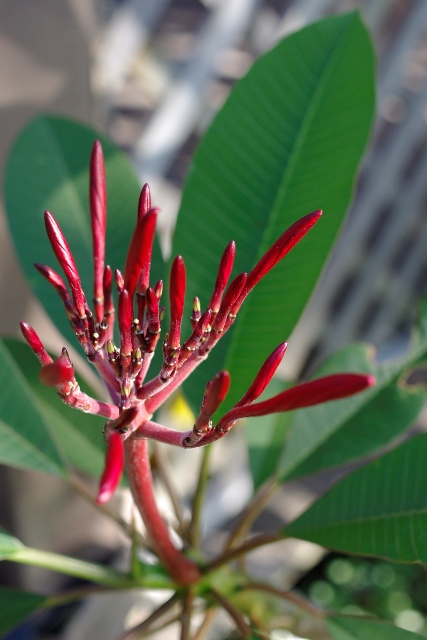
232	294
176	296
306	394
193	341
114	464
224	271
35	344
66	260
195	316
215	392
280	248
264	376
98	213
54	279
144	204
138	259
120	283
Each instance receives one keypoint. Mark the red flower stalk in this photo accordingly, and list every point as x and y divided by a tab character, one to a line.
124	368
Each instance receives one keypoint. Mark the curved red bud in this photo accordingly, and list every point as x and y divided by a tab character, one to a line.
139	254
114	464
144	203
66	260
224	271
264	376
54	279
124	317
35	343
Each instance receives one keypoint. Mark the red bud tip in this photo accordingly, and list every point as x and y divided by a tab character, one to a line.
98	213
35	343
215	392
54	279
107	285
224	271
114	463
57	373
176	296
120	283
144	204
138	259
66	260
231	295
280	248
264	376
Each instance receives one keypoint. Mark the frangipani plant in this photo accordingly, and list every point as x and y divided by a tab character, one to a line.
288	141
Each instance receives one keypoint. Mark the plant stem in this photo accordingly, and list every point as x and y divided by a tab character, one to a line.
206	624
144	626
236	616
291	596
162	465
71	567
246	547
182	570
73	595
254	508
187	607
194	534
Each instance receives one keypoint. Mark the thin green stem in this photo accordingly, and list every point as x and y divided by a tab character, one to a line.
254	508
187	607
234	614
194	534
246	547
71	567
291	596
144	627
206	624
73	595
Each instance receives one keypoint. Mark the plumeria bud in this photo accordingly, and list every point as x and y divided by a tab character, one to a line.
98	214
138	260
302	395
176	296
113	470
107	286
35	344
194	340
66	260
54	279
278	250
264	376
144	204
224	271
57	373
158	289
215	392
195	316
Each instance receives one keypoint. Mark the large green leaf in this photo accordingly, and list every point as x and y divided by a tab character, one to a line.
15	606
379	510
48	168
346	628
78	434
25	437
288	141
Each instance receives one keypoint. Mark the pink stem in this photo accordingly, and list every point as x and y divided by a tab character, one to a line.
138	470
155	431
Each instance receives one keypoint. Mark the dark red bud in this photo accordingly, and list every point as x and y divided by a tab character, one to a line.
54	279
66	260
144	204
35	343
138	259
125	318
264	376
98	213
176	296
57	373
224	271
114	464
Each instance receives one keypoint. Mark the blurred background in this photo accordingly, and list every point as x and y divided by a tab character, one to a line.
151	74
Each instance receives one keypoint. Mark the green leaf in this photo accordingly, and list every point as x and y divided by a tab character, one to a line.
379	510
48	168
15	606
334	433
345	628
78	434
25	437
288	141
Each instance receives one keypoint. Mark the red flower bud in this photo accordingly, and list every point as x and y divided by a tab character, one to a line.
176	296
57	373
54	279
98	214
224	271
138	259
114	464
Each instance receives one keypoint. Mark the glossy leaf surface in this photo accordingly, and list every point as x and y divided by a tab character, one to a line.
379	510
15	606
288	141
346	628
